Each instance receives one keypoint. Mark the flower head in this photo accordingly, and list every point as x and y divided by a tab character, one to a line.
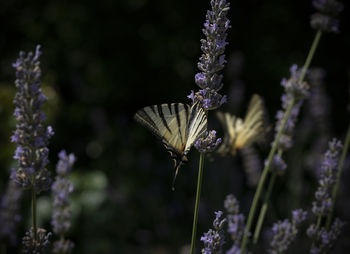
278	164
40	245
324	239
61	214
208	143
213	59
235	223
325	18
294	90
214	239
323	202
10	212
31	135
285	232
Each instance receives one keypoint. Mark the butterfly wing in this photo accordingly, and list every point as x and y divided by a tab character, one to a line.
168	122
177	124
253	124
197	126
232	126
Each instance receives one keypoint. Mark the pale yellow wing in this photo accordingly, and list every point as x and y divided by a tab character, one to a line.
197	126
253	124
169	122
232	126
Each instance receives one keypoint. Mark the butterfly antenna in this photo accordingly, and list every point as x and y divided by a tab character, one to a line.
177	166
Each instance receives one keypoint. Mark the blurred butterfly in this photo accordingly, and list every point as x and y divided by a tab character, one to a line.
240	133
177	125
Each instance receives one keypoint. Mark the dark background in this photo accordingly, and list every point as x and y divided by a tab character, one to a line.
103	60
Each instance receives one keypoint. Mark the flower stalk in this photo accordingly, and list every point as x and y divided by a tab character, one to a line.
274	149
339	172
196	206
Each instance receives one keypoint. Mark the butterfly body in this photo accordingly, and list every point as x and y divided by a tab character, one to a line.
242	132
177	125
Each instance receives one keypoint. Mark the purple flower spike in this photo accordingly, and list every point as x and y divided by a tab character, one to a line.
61	189
209	143
235	223
213	59
285	232
214	239
31	136
325	19
323	202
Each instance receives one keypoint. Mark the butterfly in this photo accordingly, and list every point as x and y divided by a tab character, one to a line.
240	133
177	125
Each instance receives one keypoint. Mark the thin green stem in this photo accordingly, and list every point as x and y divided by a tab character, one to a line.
319	218
340	169
263	209
310	55
34	211
196	206
275	144
263	176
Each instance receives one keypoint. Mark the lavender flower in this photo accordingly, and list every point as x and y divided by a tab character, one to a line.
284	232
10	212
208	143
252	165
214	239
38	246
235	223
61	189
30	135
325	18
294	90
323	203
319	102
278	165
324	240
213	59
62	246
298	216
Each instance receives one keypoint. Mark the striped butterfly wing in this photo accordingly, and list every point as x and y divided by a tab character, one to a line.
168	122
197	126
177	124
232	126
253	124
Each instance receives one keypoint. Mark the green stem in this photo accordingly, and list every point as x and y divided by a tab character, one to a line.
340	169
274	146
34	211
319	218
264	175
196	207
263	209
310	55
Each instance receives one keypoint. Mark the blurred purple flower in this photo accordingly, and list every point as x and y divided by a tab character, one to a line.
294	90
285	232
10	212
252	165
278	164
61	214
40	245
324	240
322	204
235	223
325	18
30	135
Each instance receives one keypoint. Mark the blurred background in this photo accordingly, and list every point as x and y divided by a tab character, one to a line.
103	60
